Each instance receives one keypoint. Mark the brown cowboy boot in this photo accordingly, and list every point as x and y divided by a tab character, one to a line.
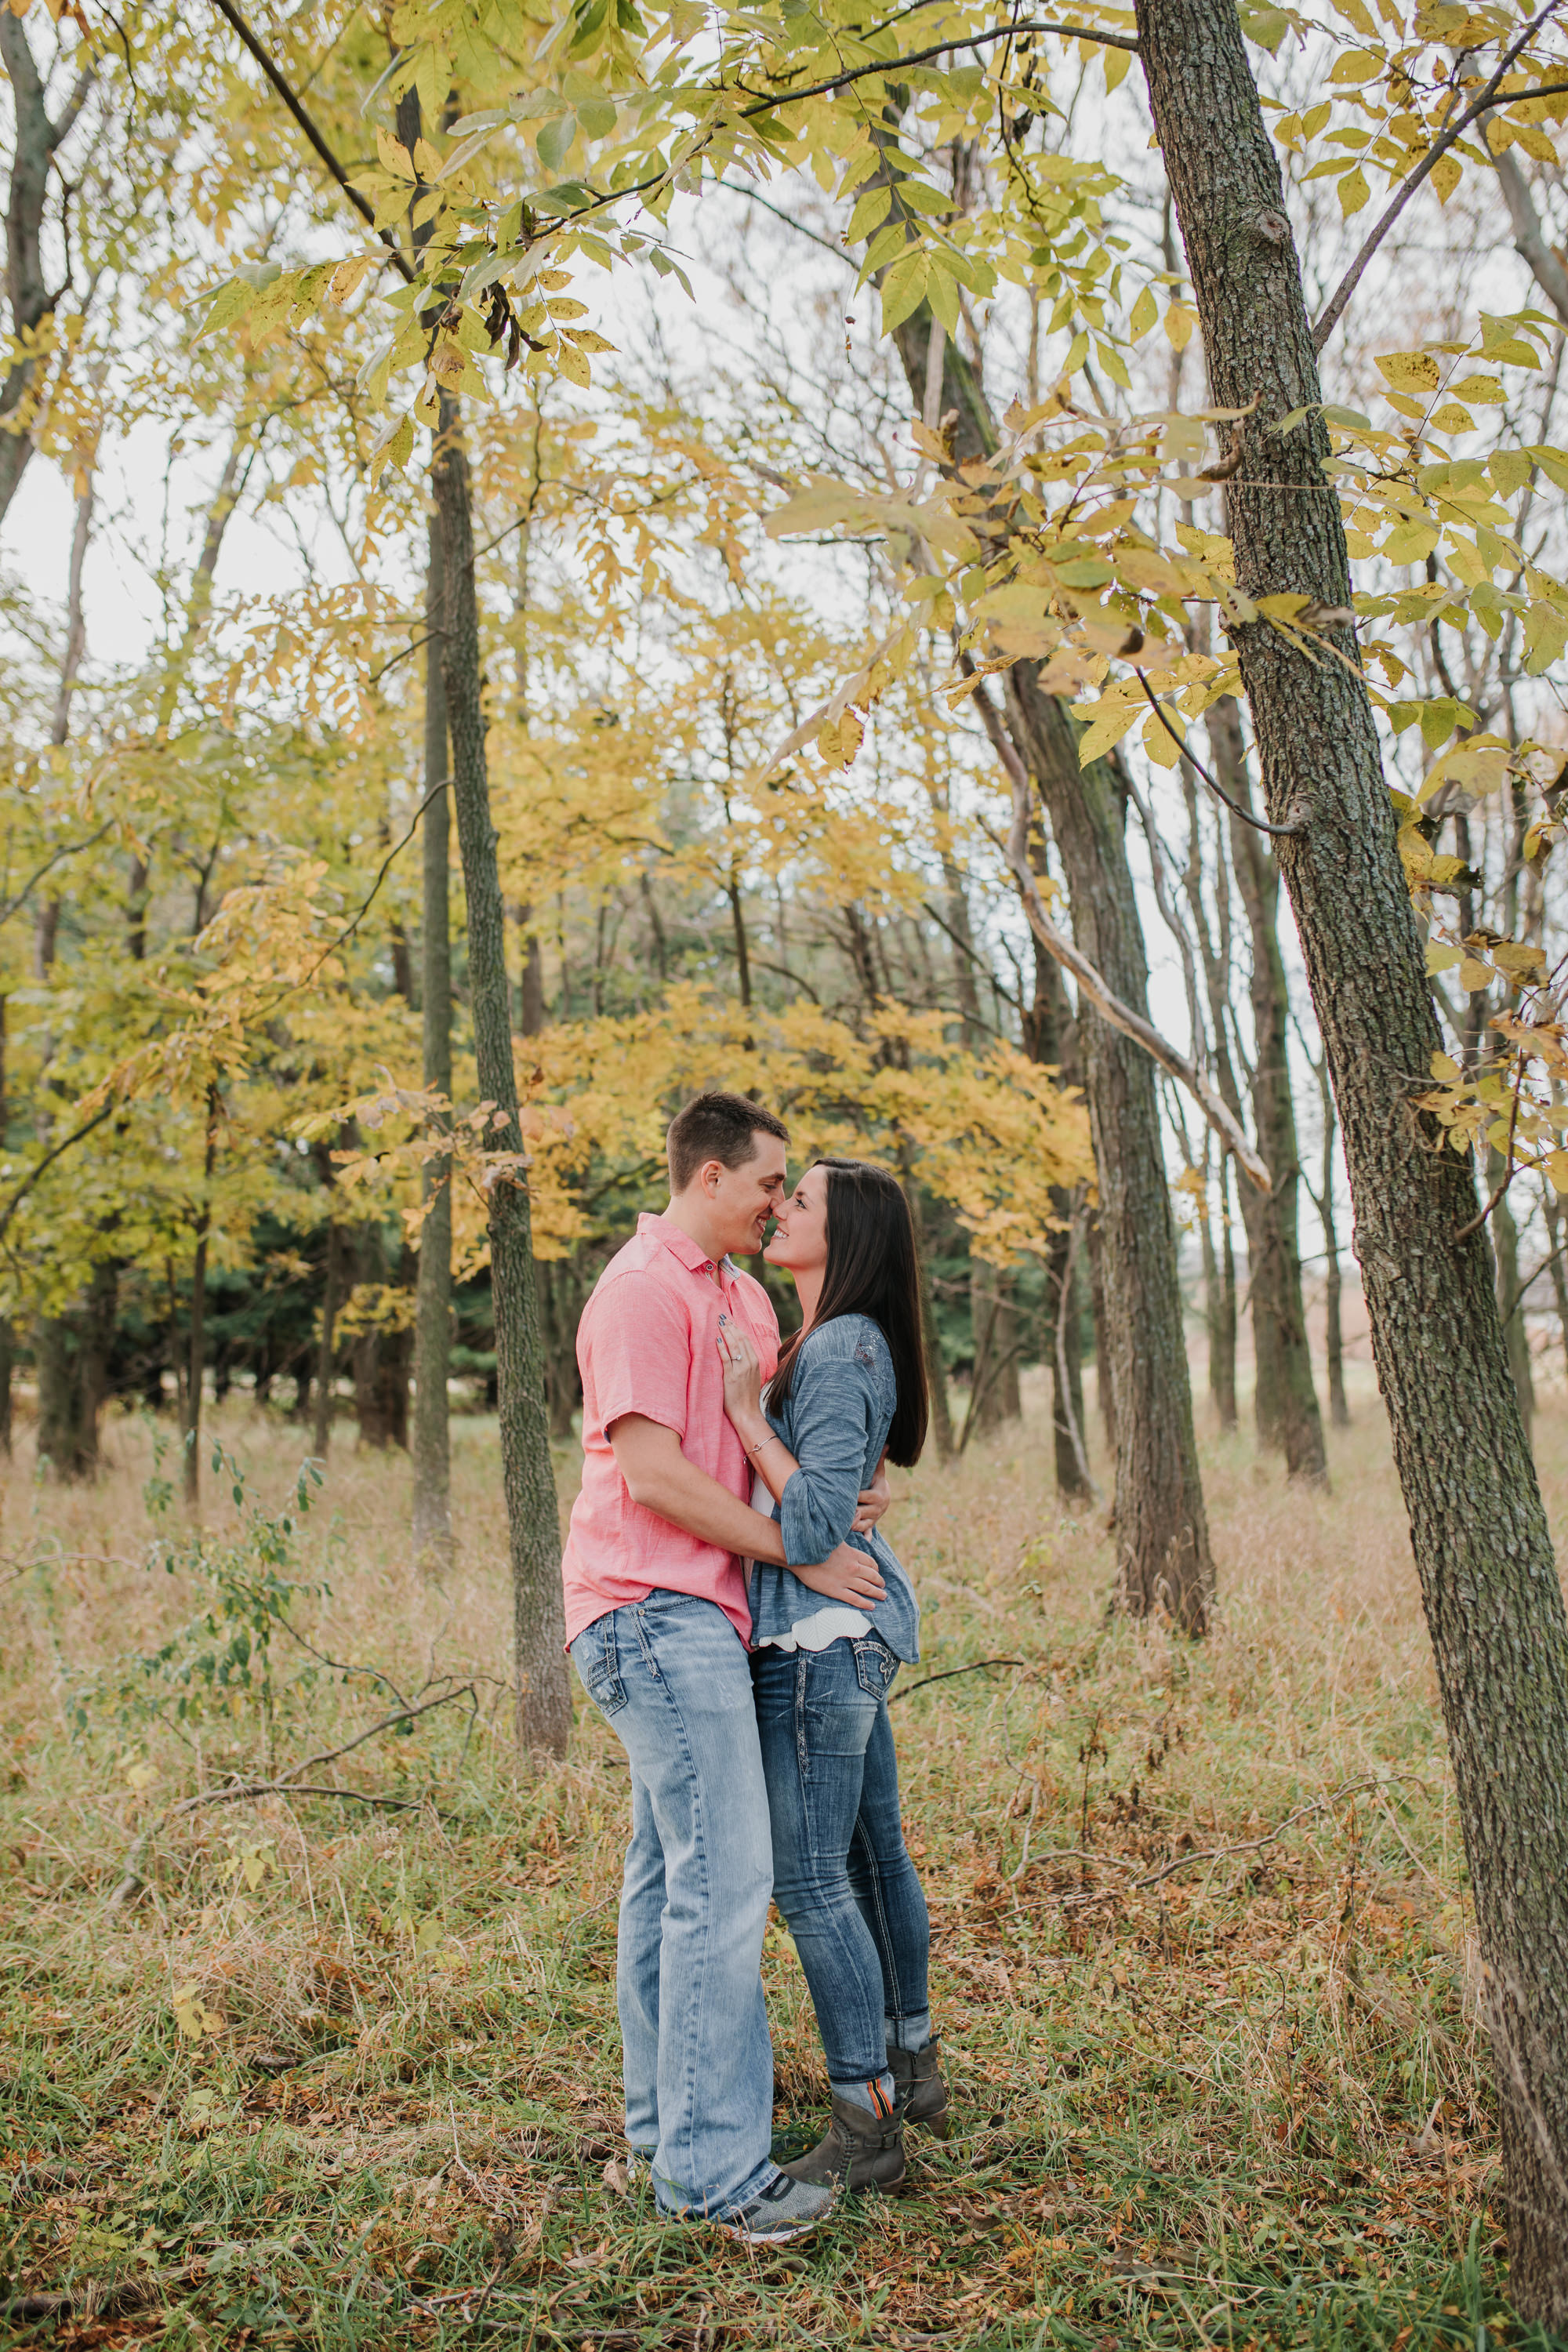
861	2150
920	2095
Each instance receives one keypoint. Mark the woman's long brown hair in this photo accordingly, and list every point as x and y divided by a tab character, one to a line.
873	1269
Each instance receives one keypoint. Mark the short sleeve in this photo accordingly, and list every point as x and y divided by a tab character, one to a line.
633	1351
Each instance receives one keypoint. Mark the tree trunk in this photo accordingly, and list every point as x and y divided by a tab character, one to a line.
381	1352
1219	1304
1162	1532
993	1393
1050	1035
35	143
1103	1382
1278	1316
1483	1551
1506	1246
931	1339
432	1530
543	1699
195	1355
1333	1341
64	1444
332	1291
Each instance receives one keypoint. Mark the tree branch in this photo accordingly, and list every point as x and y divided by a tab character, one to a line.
26	1186
1297	825
1109	1007
366	212
1529	242
1488	97
71	849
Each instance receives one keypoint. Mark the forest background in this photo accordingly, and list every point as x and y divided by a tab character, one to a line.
752	662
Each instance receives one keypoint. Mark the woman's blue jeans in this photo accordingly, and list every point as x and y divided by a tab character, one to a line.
842	1878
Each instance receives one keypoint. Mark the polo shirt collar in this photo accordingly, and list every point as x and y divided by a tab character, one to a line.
680	1243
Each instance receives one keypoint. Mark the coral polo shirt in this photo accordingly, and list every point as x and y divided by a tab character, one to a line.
648	1343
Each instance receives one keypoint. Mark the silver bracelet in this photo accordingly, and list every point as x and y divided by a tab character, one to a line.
772	1438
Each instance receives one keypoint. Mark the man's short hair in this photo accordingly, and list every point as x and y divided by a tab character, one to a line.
716	1126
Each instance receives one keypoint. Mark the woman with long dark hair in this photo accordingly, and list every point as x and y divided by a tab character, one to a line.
850	1389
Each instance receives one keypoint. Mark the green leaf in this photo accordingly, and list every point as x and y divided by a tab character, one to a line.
555	140
869	213
942	293
903	289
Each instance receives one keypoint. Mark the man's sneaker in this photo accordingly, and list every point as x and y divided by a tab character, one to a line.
785	2209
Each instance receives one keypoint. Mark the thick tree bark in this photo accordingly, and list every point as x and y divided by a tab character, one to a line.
433	1295
1162	1532
1288	1410
1506	1248
66	1441
1483	1551
544	1700
382	1352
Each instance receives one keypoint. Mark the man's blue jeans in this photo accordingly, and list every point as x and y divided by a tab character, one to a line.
842	1875
672	1677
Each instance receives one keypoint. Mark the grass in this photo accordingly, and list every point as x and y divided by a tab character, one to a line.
346	2075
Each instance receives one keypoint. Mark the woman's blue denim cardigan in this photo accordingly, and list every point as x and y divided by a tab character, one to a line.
834	1422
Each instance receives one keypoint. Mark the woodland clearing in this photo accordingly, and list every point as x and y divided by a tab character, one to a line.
344	2074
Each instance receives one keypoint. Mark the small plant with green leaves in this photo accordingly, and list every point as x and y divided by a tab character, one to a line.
220	1663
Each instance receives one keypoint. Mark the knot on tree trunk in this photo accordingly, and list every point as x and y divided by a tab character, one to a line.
1272	228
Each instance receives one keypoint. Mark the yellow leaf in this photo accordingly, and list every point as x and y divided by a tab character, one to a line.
1356	66
1354	191
1410	371
1557	1168
1442	1066
395	156
1510	471
1452	418
427	161
1484	388
1179	324
1441	956
347	275
573	365
1144	314
1446	176
1474	975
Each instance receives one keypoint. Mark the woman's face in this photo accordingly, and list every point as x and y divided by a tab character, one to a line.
800	1237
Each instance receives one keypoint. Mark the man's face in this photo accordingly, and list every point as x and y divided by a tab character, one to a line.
742	1200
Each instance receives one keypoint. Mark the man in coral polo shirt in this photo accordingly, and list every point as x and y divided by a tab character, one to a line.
659	1626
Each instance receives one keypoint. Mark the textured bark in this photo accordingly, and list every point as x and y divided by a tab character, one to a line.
1505	1247
544	1700
7	1365
432	1530
1288	1411
1162	1532
332	1294
1482	1549
382	1353
1219	1305
66	1440
1103	1380
1050	1035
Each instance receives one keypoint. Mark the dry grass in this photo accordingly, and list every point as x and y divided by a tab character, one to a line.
347	2076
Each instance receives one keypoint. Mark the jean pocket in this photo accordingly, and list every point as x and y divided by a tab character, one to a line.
597	1659
875	1666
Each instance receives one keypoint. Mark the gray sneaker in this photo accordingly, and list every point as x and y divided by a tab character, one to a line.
785	2209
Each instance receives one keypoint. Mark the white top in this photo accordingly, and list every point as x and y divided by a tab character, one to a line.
832	1622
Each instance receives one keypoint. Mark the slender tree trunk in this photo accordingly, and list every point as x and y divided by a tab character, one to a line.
1334	1345
931	1339
196	1354
544	1700
1278	1315
333	1292
1219	1304
433	1292
1162	1532
7	1366
1483	1549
